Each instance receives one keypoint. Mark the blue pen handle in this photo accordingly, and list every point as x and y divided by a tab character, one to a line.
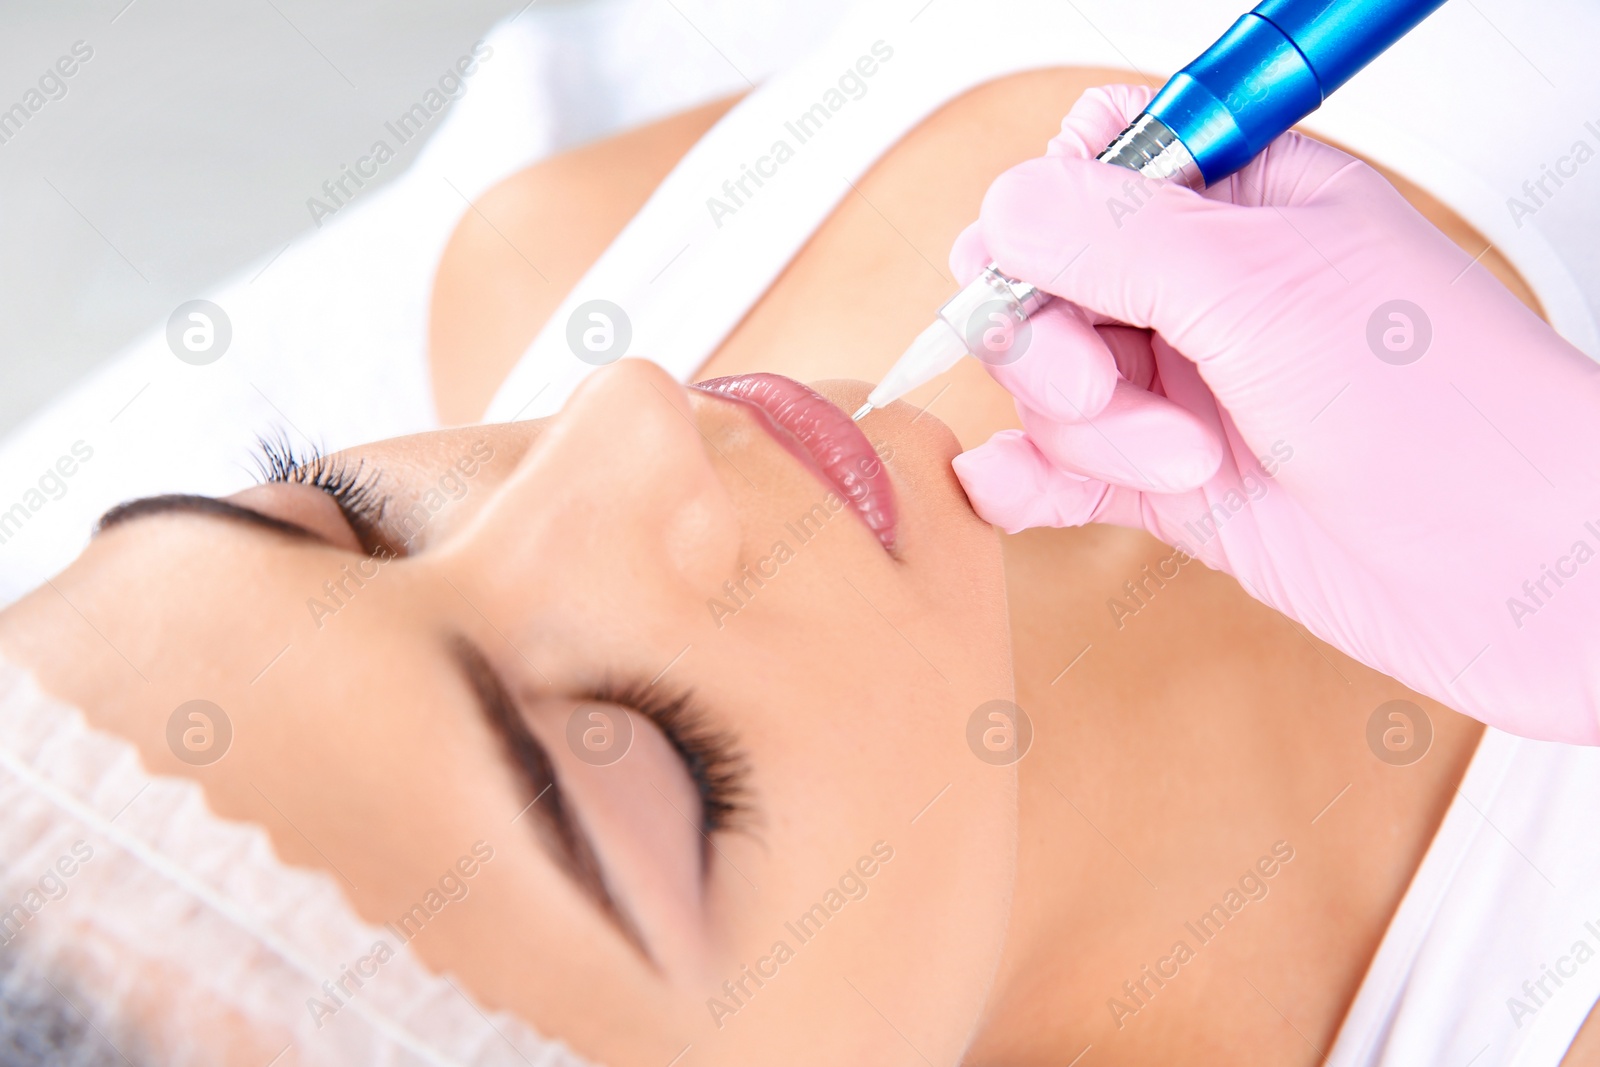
1274	67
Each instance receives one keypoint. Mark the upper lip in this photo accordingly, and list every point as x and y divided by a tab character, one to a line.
822	436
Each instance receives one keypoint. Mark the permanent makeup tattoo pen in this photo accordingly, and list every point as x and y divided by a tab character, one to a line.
1274	67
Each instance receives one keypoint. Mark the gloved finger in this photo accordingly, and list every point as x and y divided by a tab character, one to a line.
1293	169
968	256
1140	441
1130	349
1099	115
1169	262
1057	365
1179	380
1013	486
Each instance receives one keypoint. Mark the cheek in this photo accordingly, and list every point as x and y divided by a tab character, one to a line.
850	765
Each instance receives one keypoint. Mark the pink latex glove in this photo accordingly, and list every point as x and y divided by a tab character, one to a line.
1416	483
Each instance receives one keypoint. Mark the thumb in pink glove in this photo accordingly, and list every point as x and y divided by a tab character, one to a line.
1318	393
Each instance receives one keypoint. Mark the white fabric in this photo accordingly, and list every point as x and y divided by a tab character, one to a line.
184	940
1510	886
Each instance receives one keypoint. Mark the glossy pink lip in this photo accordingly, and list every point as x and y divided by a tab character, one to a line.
821	436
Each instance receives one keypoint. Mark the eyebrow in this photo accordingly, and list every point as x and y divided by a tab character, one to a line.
560	832
194	504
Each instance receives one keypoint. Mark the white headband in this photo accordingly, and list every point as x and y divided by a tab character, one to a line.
182	939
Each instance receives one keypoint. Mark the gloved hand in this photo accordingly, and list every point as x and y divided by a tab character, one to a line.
1299	381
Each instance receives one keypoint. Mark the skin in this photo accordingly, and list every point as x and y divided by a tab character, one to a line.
1173	749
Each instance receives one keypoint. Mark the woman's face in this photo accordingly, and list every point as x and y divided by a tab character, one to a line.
696	724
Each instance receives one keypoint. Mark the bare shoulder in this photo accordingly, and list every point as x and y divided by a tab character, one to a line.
1585	1050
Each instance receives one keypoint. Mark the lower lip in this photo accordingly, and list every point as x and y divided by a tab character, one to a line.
821	436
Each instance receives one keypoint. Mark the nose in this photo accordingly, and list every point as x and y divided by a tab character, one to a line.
619	496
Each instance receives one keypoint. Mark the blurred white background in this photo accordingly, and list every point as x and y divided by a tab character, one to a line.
184	150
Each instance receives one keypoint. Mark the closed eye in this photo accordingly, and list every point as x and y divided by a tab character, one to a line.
712	757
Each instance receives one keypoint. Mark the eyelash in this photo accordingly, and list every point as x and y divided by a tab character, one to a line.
353	489
712	758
